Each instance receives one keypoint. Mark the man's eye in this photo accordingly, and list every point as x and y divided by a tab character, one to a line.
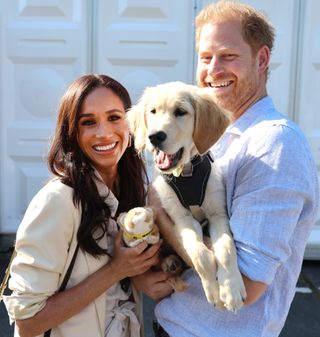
114	118
179	112
206	59
229	56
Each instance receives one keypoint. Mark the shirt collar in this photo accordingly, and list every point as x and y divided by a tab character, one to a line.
260	108
105	192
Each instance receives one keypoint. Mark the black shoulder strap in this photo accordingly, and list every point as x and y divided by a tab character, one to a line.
6	276
68	273
65	280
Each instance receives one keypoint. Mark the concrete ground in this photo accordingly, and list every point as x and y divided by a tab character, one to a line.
303	319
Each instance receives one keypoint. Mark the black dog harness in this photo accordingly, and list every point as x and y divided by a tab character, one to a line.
190	186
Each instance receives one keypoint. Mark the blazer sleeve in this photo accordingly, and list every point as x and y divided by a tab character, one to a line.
43	240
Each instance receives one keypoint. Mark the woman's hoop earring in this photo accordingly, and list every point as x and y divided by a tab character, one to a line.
129	141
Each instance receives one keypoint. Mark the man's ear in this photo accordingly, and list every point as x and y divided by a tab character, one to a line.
263	58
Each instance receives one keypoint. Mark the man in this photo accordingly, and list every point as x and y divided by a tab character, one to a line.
270	177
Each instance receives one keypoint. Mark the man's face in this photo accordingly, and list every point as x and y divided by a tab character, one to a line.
226	64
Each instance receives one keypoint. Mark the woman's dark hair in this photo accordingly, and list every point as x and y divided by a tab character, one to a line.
67	161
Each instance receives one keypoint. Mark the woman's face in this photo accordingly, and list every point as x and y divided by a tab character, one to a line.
103	133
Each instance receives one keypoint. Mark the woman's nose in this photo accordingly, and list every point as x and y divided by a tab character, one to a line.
102	130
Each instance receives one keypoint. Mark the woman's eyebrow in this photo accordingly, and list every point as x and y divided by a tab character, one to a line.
88	114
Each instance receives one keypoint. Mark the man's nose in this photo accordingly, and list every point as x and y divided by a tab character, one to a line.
215	66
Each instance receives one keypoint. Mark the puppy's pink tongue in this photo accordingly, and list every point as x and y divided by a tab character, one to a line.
162	160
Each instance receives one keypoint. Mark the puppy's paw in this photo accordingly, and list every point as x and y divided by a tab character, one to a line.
232	290
177	283
206	267
211	290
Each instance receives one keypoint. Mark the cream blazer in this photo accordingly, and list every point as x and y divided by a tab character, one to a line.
46	241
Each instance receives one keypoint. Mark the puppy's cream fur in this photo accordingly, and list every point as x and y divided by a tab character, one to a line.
191	121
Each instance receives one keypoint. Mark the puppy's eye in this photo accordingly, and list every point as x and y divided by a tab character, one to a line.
153	111
179	112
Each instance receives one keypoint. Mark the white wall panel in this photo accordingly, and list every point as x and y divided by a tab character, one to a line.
142	43
308	87
44	47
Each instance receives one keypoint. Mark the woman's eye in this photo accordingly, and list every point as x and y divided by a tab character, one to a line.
87	122
114	118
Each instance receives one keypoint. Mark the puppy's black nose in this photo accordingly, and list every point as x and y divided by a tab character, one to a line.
157	138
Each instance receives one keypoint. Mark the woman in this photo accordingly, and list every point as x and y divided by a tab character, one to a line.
97	175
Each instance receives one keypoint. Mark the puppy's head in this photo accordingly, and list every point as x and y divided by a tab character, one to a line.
176	121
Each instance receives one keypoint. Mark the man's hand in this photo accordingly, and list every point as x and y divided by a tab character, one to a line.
153	284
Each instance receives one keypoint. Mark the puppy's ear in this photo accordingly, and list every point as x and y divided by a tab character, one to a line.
136	117
210	120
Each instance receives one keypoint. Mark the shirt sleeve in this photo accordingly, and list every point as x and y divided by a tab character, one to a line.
273	192
42	244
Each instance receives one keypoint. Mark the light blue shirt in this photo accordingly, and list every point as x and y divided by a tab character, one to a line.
272	198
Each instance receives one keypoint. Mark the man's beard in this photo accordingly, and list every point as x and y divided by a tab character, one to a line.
243	90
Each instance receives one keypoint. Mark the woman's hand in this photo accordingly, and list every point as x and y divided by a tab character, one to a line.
153	283
127	262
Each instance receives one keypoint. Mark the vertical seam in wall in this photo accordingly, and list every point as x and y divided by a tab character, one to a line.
296	60
194	53
91	7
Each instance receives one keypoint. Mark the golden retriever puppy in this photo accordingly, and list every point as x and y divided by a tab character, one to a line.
179	123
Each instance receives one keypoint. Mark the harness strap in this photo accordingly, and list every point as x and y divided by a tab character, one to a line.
190	187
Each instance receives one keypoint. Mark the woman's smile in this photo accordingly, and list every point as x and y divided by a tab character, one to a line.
105	148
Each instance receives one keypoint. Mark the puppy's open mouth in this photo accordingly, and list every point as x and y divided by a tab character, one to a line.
165	161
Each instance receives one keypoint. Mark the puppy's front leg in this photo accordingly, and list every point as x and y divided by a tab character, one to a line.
202	258
231	286
187	241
